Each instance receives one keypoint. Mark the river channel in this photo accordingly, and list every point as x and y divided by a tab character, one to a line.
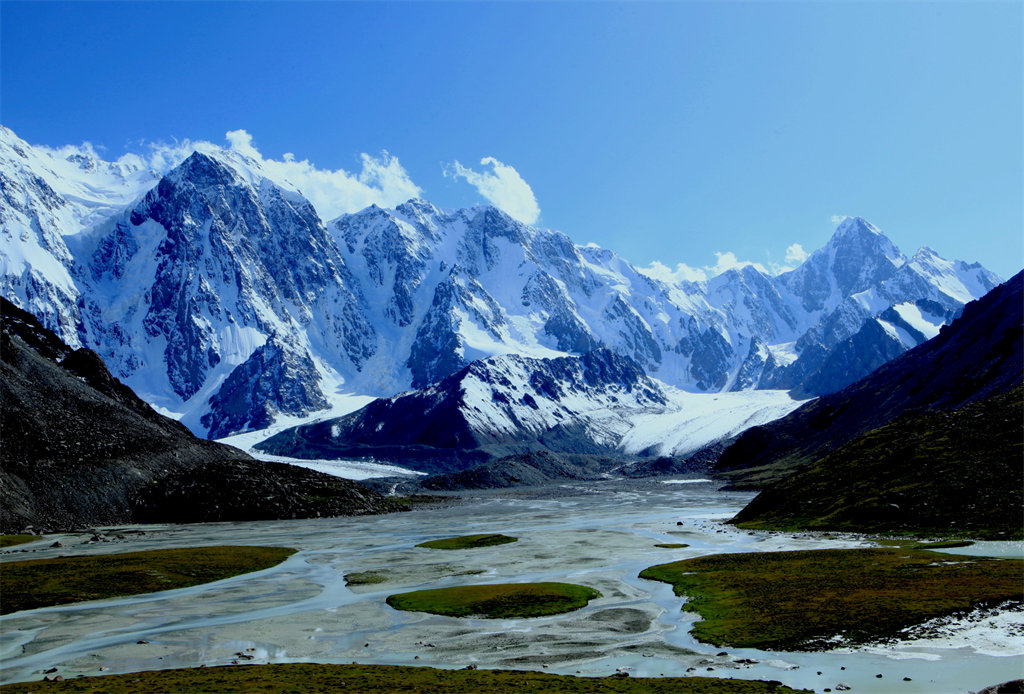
597	534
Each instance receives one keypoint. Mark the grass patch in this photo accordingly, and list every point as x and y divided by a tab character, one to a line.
365	578
306	678
948	544
801	600
497	601
44	582
468	542
911	543
672	545
11	540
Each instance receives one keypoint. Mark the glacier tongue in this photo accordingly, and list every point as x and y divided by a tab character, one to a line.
223	299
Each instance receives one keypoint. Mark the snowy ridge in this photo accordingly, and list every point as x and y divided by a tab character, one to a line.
216	291
599	403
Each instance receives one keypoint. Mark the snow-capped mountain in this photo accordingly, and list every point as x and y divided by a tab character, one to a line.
598	403
219	295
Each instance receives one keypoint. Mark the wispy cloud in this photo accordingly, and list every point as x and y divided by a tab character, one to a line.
796	254
728	261
502	186
681	273
381	181
724	261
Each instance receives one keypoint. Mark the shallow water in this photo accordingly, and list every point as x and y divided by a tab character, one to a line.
600	534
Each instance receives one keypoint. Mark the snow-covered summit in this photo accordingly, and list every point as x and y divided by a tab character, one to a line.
217	292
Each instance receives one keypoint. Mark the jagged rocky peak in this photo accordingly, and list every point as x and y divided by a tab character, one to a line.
862	255
231	259
419	212
857	257
203	171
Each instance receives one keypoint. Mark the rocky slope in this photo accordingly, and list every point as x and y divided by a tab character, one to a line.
81	449
221	297
980	355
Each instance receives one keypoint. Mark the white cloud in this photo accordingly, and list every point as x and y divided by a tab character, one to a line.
724	261
502	186
796	254
729	261
838	218
381	180
241	142
681	273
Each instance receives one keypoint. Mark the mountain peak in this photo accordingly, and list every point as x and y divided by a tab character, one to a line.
414	206
856	226
203	169
925	253
857	235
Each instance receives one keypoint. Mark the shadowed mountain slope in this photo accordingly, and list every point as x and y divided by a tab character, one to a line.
79	448
937	473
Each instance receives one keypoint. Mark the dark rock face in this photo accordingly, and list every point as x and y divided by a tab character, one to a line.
255	490
438	349
711	352
80	449
979	355
278	377
851	360
563	324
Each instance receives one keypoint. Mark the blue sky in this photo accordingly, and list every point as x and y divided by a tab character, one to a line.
666	131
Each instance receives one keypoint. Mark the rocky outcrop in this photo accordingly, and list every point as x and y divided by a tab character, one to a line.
278	377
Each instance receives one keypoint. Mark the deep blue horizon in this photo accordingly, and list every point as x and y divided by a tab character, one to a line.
663	131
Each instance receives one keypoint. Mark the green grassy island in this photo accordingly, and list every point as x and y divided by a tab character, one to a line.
497	601
802	600
468	542
38	583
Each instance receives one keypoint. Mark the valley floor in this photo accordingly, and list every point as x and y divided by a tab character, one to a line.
599	535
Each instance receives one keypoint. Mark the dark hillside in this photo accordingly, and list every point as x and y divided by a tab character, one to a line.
937	473
78	448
